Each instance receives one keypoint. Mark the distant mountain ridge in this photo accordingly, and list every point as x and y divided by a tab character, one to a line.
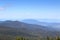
48	24
32	21
28	29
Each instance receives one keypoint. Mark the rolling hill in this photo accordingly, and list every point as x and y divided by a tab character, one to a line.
54	25
24	29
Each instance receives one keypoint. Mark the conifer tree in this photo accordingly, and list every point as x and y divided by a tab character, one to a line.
48	38
58	38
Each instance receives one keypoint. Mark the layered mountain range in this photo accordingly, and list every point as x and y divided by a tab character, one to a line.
27	29
55	25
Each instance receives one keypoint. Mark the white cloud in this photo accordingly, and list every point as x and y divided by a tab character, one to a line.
5	6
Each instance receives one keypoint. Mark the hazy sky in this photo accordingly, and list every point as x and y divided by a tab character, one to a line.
33	9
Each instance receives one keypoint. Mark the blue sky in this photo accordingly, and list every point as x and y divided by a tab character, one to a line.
29	9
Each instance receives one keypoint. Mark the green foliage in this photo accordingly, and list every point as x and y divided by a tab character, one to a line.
58	38
47	38
9	37
21	38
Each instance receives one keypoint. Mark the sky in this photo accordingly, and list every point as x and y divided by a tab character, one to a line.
30	9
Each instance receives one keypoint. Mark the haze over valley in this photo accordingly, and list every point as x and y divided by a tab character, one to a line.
29	19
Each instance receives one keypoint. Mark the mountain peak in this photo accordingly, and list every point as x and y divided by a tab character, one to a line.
30	21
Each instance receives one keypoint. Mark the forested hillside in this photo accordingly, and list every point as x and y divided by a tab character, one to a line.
15	30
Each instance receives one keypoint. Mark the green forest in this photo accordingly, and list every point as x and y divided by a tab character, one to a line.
4	37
